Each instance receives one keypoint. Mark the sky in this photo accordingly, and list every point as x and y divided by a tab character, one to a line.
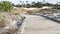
17	1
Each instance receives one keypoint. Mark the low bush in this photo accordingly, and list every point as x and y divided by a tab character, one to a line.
6	6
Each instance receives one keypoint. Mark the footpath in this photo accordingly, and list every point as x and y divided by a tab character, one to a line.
39	25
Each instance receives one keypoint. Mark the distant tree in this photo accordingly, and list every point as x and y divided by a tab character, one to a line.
21	4
20	1
33	4
39	4
27	2
28	5
48	4
58	3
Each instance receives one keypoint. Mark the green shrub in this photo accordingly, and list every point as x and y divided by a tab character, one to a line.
6	6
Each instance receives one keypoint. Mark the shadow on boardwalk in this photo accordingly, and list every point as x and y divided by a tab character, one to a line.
52	19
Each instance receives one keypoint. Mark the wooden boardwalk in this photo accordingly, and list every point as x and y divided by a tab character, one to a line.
39	25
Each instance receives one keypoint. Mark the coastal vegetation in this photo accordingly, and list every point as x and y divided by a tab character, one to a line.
6	6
